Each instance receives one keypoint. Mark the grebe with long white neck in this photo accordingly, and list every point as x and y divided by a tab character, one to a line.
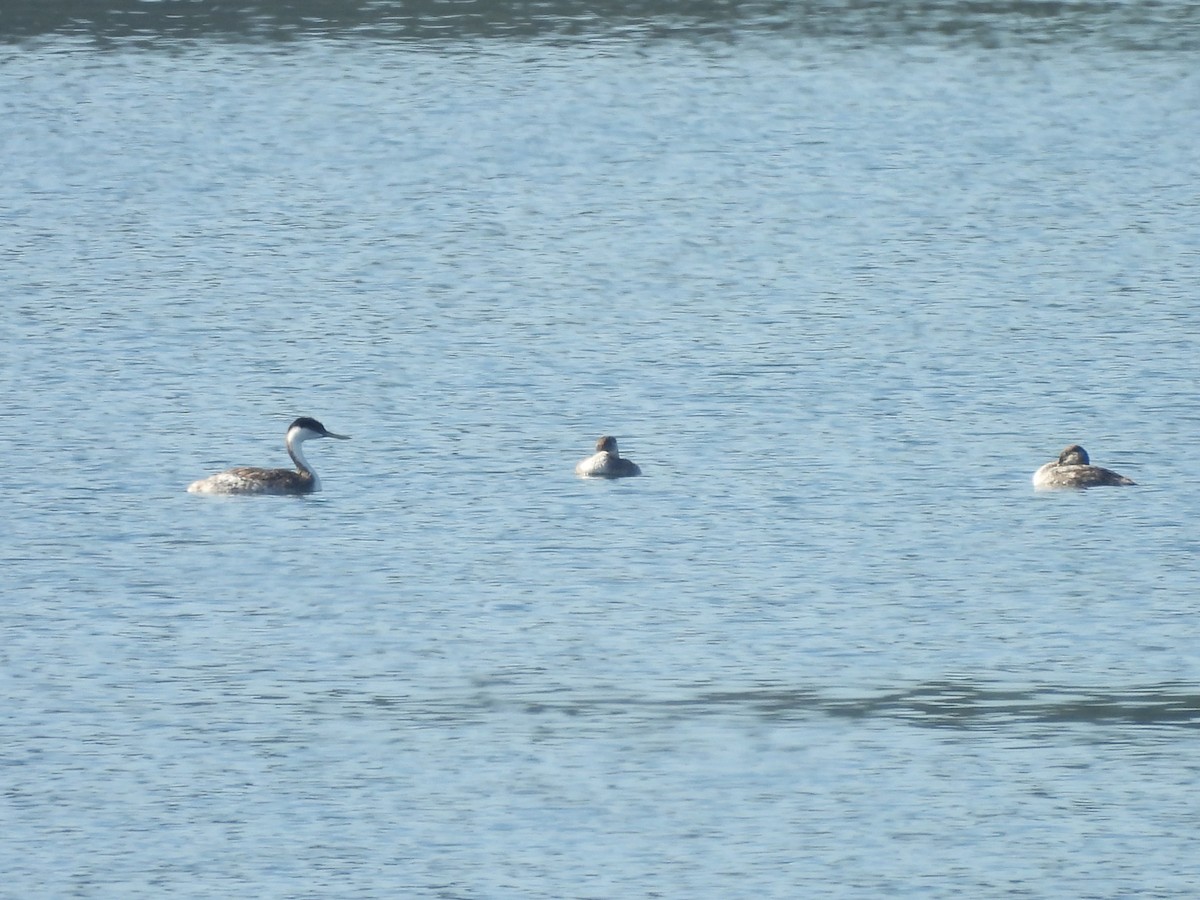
607	462
252	480
1074	470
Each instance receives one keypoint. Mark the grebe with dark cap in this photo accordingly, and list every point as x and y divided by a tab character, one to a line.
1074	470
607	462
252	480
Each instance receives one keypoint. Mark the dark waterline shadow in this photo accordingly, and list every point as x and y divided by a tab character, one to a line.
954	705
1165	26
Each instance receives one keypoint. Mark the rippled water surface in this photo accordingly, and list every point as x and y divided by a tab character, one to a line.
838	279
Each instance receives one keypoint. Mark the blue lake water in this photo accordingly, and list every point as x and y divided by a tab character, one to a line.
838	280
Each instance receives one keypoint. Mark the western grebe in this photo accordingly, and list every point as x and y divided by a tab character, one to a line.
251	480
1074	470
607	462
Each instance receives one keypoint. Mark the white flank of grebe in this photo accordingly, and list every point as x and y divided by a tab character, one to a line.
251	480
607	462
1074	470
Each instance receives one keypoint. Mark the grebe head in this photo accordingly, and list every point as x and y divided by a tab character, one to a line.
305	427
607	444
1074	456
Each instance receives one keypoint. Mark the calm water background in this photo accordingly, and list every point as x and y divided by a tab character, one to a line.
839	279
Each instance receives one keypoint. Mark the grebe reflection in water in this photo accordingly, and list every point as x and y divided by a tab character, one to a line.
251	480
1074	470
607	462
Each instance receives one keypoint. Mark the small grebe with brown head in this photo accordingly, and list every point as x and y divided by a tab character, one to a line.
607	462
1074	470
251	480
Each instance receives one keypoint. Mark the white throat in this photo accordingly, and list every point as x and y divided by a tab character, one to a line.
295	445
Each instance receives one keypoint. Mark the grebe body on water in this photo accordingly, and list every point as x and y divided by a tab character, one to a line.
1074	470
607	462
252	480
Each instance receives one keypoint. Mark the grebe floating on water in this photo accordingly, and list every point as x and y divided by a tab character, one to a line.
607	462
251	480
1074	470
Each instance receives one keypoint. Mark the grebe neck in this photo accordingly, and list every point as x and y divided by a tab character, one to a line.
295	441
